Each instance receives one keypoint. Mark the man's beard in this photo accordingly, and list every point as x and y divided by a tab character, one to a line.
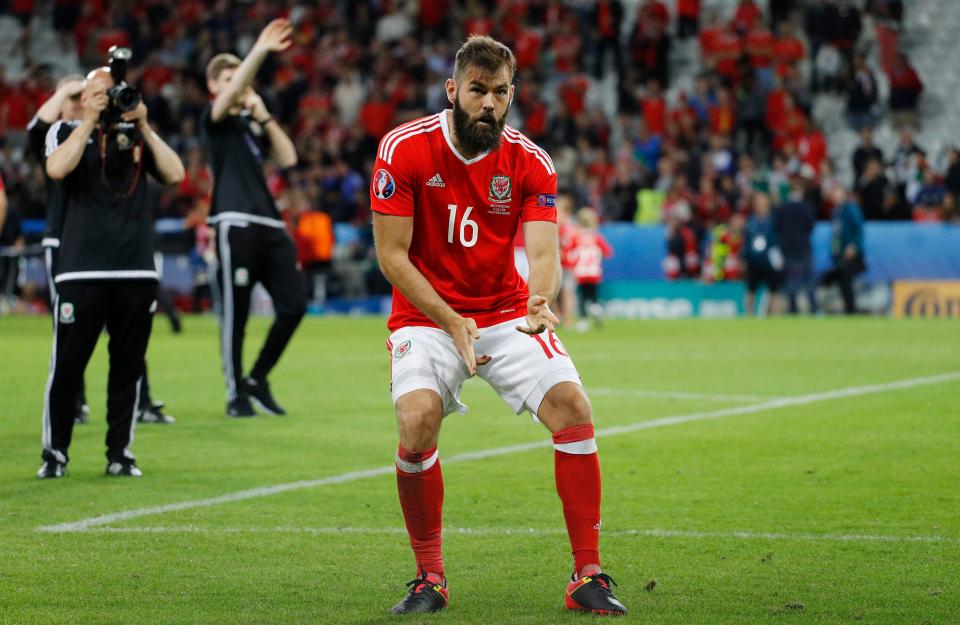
474	137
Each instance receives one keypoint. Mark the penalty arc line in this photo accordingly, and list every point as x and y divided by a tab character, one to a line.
531	531
352	476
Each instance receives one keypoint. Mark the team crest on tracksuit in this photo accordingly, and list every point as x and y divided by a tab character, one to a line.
67	313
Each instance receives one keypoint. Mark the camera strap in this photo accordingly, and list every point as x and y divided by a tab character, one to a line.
137	161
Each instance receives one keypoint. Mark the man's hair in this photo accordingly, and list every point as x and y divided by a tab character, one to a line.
221	62
484	53
68	78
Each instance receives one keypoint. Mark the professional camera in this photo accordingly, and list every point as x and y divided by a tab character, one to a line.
123	97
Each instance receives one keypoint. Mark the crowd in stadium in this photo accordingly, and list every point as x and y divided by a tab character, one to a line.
642	152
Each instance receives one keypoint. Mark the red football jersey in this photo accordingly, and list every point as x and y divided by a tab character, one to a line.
465	215
589	251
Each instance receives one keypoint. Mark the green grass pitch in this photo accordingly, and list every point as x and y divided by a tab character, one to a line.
826	508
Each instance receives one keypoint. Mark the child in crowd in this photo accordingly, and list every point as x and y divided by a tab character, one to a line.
588	253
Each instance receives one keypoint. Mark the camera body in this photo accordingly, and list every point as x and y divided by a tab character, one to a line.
123	97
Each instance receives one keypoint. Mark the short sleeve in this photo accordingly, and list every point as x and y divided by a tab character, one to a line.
206	118
37	133
539	200
209	128
392	184
57	134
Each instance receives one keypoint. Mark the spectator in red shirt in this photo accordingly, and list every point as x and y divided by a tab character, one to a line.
788	50
528	47
681	117
376	116
477	22
776	106
747	16
724	53
433	18
711	206
650	48
654	11
573	92
16	108
759	47
566	46
812	147
655	108
509	15
688	18
905	90
723	119
605	18
533	109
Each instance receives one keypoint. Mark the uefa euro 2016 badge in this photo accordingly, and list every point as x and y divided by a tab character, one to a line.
402	350
67	313
383	184
501	190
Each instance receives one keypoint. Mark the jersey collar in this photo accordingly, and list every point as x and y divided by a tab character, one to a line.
446	135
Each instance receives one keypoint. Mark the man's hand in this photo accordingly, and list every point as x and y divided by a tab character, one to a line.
275	37
850	252
137	115
94	106
254	103
539	316
464	332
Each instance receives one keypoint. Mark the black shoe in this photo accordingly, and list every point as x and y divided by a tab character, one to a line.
240	407
262	398
153	413
425	596
52	469
591	593
124	468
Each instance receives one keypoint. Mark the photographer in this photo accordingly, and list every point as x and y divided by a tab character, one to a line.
105	275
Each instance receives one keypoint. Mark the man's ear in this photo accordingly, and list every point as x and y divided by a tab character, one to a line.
451	87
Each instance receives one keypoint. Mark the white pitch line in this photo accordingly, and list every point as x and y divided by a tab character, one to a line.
678	395
263	491
528	531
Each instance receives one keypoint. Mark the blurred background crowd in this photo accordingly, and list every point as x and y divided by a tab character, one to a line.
676	112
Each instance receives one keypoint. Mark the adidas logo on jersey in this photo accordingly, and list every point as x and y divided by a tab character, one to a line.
436	181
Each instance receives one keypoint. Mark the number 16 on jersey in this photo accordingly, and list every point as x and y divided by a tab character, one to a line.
465	224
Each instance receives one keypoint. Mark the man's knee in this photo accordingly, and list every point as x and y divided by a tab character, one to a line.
419	414
292	311
565	406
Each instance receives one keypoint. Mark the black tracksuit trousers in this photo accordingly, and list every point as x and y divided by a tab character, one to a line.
249	253
82	310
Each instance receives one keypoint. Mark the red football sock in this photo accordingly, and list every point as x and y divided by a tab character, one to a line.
577	472
420	485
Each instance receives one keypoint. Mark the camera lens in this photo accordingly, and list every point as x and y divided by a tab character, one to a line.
127	98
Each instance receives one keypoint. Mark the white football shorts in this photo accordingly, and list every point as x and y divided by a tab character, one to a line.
523	367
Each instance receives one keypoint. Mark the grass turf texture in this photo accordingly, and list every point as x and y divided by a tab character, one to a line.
883	464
